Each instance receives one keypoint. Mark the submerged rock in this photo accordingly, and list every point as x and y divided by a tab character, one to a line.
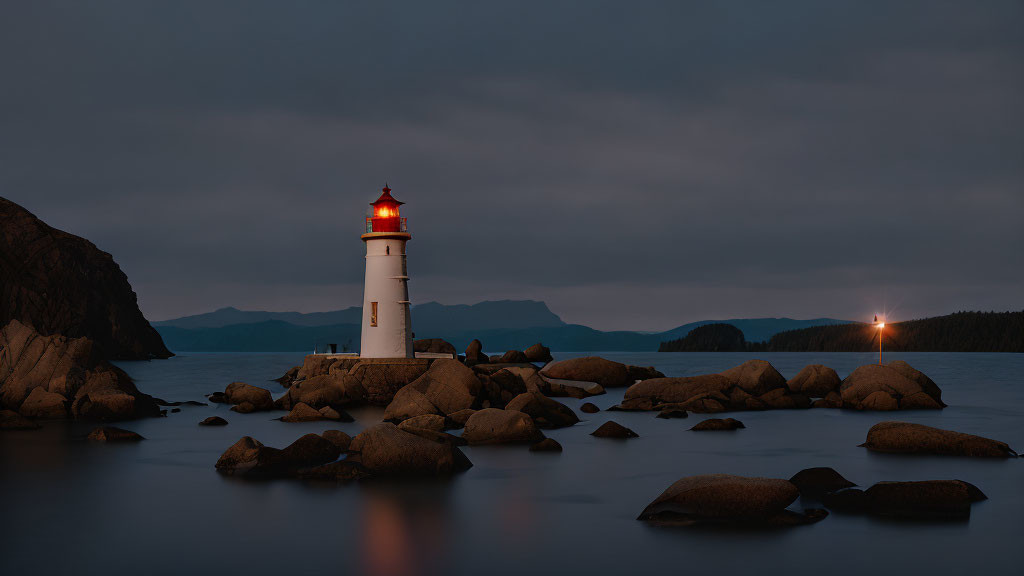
495	426
728	499
905	437
385	450
249	457
340	471
589	408
612	429
113	434
816	482
214	421
673	411
718	424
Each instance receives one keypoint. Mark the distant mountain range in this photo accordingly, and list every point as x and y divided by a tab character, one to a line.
500	325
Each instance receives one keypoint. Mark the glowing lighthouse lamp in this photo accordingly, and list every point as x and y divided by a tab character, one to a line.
387	324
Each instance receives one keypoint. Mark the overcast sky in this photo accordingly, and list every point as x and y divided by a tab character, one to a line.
637	165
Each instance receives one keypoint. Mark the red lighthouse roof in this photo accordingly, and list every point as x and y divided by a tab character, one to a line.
386	198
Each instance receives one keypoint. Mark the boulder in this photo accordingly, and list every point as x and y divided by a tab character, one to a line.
815	381
816	482
538	353
724	498
569	388
434	346
755	377
338	438
249	457
546	413
894	386
495	426
11	420
612	429
718	424
329	413
637	373
217	398
831	400
240	393
334	389
446	387
905	437
607	373
112	434
386	450
930	499
60	283
474	354
302	413
214	421
59	377
546	445
589	408
289	377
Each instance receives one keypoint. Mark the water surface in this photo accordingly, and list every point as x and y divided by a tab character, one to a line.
159	507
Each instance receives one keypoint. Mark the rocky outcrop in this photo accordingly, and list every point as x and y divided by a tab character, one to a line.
385	450
612	429
816	482
908	438
495	426
728	499
510	357
113	434
718	424
250	458
59	377
924	500
338	382
61	284
546	413
538	353
607	373
815	381
305	413
893	386
434	346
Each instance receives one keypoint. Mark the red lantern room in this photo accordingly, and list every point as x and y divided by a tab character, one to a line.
386	216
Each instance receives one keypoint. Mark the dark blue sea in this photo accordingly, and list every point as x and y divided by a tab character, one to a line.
159	507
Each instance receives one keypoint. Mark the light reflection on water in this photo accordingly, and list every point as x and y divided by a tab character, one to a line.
159	507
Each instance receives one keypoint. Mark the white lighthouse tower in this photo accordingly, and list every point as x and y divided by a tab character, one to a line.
387	323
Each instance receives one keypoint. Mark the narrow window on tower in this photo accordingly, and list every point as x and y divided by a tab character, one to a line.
373	313
387	250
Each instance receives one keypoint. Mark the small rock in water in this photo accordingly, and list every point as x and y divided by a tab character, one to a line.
904	437
214	421
112	434
926	500
718	424
589	408
175	410
673	412
612	429
546	445
217	398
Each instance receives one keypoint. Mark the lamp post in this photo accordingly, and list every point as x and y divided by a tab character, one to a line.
879	325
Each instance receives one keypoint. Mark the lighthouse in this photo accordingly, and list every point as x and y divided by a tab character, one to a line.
387	323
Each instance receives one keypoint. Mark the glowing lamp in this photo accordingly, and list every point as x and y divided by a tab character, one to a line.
386	214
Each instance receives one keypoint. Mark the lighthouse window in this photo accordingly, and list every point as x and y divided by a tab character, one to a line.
387	250
373	313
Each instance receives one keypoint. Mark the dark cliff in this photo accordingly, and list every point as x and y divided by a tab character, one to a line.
59	283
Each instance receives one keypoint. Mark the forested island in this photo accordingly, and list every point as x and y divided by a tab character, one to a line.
959	332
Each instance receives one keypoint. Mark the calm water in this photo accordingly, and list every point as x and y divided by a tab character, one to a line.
158	507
